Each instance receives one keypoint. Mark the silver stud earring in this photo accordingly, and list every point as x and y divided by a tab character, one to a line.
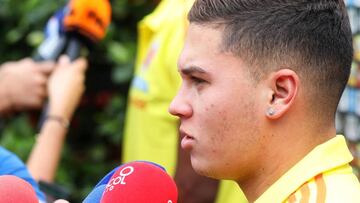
271	111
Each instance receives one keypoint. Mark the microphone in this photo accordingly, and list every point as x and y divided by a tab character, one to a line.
139	182
85	23
95	195
79	24
55	39
135	182
14	189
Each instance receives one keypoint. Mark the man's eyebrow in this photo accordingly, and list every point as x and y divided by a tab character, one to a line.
192	69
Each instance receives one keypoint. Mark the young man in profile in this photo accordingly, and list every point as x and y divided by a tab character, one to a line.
261	84
150	132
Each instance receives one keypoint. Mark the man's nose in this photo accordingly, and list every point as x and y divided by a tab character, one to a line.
180	106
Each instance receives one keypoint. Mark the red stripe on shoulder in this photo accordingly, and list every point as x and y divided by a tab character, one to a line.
305	193
292	198
321	188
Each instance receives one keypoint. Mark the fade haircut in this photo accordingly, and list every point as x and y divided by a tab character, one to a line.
311	37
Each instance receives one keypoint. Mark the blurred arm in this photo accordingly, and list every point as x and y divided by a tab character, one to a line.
65	88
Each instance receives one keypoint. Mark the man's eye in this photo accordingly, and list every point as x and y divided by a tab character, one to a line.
197	80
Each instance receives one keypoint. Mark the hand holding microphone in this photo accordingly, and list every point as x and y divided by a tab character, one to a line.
79	24
66	86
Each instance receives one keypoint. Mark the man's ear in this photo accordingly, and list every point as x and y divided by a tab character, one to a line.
284	85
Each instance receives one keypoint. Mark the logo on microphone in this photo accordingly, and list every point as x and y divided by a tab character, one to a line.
120	179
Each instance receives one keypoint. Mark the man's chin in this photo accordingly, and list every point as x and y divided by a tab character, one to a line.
205	171
212	172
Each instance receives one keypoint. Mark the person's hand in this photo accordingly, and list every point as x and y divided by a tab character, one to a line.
66	86
23	84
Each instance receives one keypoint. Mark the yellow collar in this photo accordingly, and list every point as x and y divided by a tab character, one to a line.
324	157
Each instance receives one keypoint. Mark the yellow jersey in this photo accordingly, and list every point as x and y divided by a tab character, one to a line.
324	175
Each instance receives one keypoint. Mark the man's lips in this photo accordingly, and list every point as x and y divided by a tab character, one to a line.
187	140
185	134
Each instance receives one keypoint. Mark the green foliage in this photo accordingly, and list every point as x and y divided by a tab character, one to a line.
93	145
20	19
18	136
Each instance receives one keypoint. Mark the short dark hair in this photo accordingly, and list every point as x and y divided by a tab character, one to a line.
312	37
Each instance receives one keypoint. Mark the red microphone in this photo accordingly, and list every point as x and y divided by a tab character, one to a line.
14	189
139	182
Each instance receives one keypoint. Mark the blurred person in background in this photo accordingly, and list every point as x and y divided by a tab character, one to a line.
348	112
151	133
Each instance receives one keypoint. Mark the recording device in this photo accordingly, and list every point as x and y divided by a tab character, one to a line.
135	182
81	23
95	195
14	189
85	23
55	39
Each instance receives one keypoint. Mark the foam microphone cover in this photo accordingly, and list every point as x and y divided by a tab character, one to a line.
140	182
95	195
14	189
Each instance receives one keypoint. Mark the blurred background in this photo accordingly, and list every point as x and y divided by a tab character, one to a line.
348	112
93	145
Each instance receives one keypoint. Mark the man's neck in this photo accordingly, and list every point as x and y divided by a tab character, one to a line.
283	150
